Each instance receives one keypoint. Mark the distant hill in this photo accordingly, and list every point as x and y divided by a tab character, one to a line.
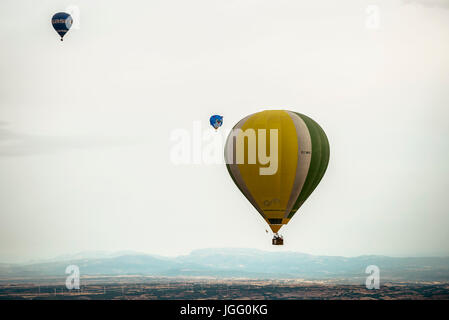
242	263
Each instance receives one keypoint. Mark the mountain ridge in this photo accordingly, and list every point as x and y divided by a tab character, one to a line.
234	263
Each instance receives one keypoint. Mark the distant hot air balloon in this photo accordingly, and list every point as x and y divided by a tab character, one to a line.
216	121
291	158
62	22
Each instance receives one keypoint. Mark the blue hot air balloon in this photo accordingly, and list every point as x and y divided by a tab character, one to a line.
62	22
216	121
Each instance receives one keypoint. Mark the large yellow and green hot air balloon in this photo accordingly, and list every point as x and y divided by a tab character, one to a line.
277	158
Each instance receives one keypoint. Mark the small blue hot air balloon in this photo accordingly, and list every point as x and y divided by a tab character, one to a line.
62	22
216	121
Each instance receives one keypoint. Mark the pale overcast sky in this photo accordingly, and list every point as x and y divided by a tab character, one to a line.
85	124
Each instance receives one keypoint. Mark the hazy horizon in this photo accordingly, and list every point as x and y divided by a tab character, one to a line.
100	254
86	124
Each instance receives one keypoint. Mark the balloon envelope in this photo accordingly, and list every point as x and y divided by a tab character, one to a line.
216	121
61	22
298	153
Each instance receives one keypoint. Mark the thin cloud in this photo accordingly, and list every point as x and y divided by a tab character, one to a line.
429	3
19	144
